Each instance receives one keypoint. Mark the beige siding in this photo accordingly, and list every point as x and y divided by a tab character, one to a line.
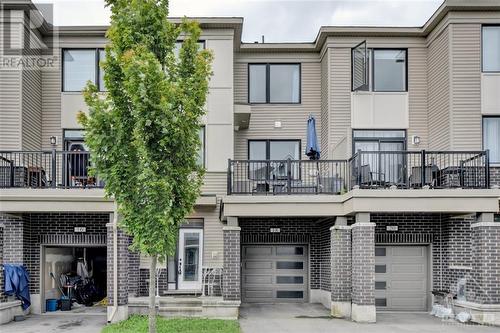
240	83
293	117
51	104
438	92
340	102
212	235
325	98
417	96
466	87
215	183
10	110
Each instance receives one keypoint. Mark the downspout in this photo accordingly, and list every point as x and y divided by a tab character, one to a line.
115	264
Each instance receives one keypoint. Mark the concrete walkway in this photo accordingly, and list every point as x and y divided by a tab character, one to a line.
314	318
67	322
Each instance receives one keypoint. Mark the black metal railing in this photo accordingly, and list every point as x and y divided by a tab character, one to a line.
381	169
46	169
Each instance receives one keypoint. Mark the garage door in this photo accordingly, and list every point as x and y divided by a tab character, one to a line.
401	279
274	273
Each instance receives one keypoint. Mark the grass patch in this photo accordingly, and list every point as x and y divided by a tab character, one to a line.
139	324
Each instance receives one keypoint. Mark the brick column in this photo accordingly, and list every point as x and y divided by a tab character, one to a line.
341	271
13	236
231	289
120	312
363	270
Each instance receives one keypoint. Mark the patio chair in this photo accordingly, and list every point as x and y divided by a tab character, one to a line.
370	178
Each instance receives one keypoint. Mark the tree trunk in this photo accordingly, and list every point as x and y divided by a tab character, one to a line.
152	295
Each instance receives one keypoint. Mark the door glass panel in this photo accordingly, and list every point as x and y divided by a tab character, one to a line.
290	265
391	165
380	269
257	83
380	285
380	302
257	152
380	252
289	250
284	150
191	255
290	279
289	294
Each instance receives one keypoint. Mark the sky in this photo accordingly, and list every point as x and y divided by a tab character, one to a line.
277	20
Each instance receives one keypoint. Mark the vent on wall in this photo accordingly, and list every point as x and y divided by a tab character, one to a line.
73	239
274	238
414	238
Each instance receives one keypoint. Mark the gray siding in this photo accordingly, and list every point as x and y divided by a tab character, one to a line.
51	104
417	96
340	102
466	87
215	183
10	110
293	117
438	92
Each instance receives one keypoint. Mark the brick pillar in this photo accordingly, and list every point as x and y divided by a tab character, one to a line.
341	271
121	312
13	249
231	289
363	270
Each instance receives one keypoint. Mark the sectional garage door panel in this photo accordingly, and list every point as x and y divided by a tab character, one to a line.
274	273
401	278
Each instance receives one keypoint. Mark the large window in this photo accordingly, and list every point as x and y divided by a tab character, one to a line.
276	150
178	46
80	66
491	49
274	83
491	137
385	70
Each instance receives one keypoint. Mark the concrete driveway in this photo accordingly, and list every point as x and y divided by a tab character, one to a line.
314	318
71	323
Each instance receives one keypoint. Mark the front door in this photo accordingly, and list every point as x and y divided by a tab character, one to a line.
190	259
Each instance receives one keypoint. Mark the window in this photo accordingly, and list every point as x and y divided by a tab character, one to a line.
389	70
289	294
274	83
178	46
80	66
201	152
386	70
380	302
491	48
289	265
380	252
380	268
290	251
491	137
380	285
289	279
276	150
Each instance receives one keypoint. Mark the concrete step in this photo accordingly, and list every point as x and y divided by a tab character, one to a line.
180	302
180	311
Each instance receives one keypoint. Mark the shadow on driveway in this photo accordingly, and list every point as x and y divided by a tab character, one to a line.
314	318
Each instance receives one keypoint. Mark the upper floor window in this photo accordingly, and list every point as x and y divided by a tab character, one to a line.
491	137
379	70
274	83
178	46
491	48
80	66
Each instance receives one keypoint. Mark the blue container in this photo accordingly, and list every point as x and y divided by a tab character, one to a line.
51	305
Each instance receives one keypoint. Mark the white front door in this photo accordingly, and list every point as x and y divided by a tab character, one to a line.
190	259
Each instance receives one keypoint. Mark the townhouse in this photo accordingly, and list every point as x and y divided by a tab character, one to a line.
401	209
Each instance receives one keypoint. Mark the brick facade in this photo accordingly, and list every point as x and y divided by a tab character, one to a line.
3	298
483	283
231	270
363	263
494	176
123	242
341	268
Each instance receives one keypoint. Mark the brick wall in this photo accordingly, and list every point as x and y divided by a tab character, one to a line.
341	249
495	176
363	263
123	242
231	289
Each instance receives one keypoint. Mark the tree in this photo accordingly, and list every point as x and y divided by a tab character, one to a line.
144	131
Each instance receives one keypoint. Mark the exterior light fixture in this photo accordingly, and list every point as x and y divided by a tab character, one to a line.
415	139
53	140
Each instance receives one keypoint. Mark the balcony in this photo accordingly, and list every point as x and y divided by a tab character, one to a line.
46	169
369	170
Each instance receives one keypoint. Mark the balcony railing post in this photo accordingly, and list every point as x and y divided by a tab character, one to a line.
54	167
487	168
358	168
229	176
422	164
289	175
12	174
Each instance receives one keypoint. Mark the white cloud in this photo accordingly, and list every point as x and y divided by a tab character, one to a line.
278	20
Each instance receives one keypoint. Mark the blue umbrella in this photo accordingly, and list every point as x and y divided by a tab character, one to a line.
312	149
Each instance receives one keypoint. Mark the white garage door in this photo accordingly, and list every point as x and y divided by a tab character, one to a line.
274	273
401	278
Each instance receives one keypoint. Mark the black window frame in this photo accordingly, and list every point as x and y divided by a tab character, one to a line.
268	81
268	146
482	135
370	86
97	67
379	139
482	46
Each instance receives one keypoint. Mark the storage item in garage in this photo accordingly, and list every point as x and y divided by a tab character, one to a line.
51	304
65	304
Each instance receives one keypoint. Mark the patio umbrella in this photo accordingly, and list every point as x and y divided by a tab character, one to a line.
312	149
